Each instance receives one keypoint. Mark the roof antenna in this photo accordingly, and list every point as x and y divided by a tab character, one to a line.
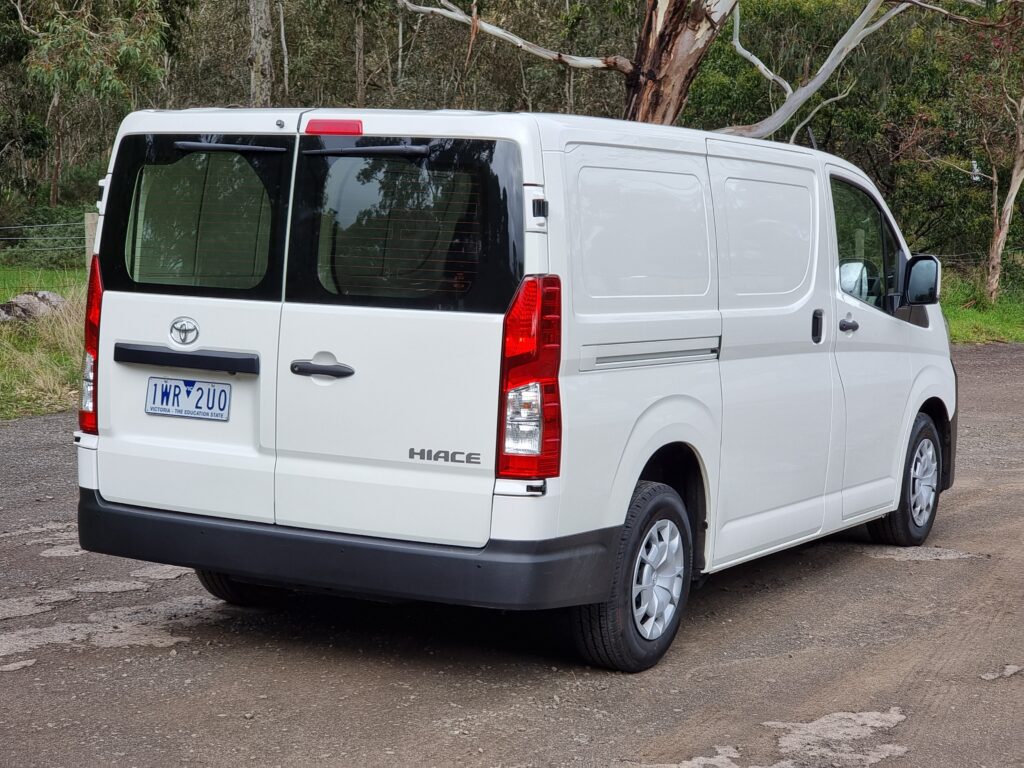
810	135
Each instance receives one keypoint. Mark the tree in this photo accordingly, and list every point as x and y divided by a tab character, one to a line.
261	66
92	49
675	37
1002	213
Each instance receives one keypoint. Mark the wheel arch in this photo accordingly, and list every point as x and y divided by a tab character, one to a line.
673	442
934	394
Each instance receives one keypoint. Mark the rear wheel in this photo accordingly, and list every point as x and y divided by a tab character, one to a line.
651	583
241	593
910	524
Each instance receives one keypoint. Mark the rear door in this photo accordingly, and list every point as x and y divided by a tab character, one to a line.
192	254
405	254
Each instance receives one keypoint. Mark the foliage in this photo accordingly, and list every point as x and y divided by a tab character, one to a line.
104	48
40	361
914	85
972	319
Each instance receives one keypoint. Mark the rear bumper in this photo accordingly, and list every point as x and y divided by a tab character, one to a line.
517	575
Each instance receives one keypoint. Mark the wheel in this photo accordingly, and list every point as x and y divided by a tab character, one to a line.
910	524
240	592
650	585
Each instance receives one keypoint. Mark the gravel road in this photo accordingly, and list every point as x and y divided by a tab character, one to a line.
839	653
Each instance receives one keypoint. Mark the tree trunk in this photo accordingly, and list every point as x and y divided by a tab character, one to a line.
674	38
360	41
58	144
58	162
261	72
284	46
1001	228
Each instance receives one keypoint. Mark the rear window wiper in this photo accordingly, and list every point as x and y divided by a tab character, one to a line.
387	150
203	146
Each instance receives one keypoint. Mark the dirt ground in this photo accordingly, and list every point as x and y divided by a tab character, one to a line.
839	653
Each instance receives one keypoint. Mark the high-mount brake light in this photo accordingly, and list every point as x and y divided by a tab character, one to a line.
322	127
87	421
530	412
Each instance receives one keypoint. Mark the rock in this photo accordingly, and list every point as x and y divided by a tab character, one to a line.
28	306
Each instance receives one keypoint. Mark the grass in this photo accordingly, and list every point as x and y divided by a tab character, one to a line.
40	361
972	320
15	280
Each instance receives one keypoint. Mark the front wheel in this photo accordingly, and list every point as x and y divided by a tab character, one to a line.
634	628
910	524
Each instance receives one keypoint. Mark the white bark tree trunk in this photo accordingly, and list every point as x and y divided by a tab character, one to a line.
284	45
1003	217
674	38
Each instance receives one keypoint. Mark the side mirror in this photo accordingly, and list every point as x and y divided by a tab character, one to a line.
923	278
853	279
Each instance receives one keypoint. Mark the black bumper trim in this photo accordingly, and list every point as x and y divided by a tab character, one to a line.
514	575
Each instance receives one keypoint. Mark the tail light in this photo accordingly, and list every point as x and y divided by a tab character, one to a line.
93	303
530	420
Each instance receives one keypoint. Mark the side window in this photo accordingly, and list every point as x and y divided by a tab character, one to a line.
868	248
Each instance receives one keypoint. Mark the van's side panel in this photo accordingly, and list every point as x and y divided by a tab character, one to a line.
777	378
639	368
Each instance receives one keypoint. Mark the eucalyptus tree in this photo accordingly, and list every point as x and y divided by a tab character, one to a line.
100	51
674	39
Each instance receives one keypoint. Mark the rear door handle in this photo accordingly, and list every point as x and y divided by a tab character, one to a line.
848	325
309	368
817	320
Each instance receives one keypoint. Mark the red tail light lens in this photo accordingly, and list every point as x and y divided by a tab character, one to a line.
530	418
93	304
334	127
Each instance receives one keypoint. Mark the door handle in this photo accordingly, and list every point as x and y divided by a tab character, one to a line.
817	321
309	368
848	325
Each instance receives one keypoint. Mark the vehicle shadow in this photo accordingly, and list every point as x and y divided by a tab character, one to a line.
445	635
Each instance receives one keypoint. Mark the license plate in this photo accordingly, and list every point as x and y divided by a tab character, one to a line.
188	398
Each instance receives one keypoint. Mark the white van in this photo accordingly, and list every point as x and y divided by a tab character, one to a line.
506	360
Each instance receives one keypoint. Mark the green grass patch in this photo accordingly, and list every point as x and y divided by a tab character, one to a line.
40	361
15	280
973	320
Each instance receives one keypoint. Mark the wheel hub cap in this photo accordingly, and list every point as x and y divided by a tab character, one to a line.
924	481
658	579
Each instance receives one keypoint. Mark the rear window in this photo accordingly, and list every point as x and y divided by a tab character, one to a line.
197	215
408	223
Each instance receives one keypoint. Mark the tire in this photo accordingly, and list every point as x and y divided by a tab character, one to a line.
607	634
910	524
240	593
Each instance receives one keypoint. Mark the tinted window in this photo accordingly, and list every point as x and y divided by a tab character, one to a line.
435	224
193	215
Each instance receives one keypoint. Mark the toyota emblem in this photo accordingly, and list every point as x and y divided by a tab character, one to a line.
184	330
